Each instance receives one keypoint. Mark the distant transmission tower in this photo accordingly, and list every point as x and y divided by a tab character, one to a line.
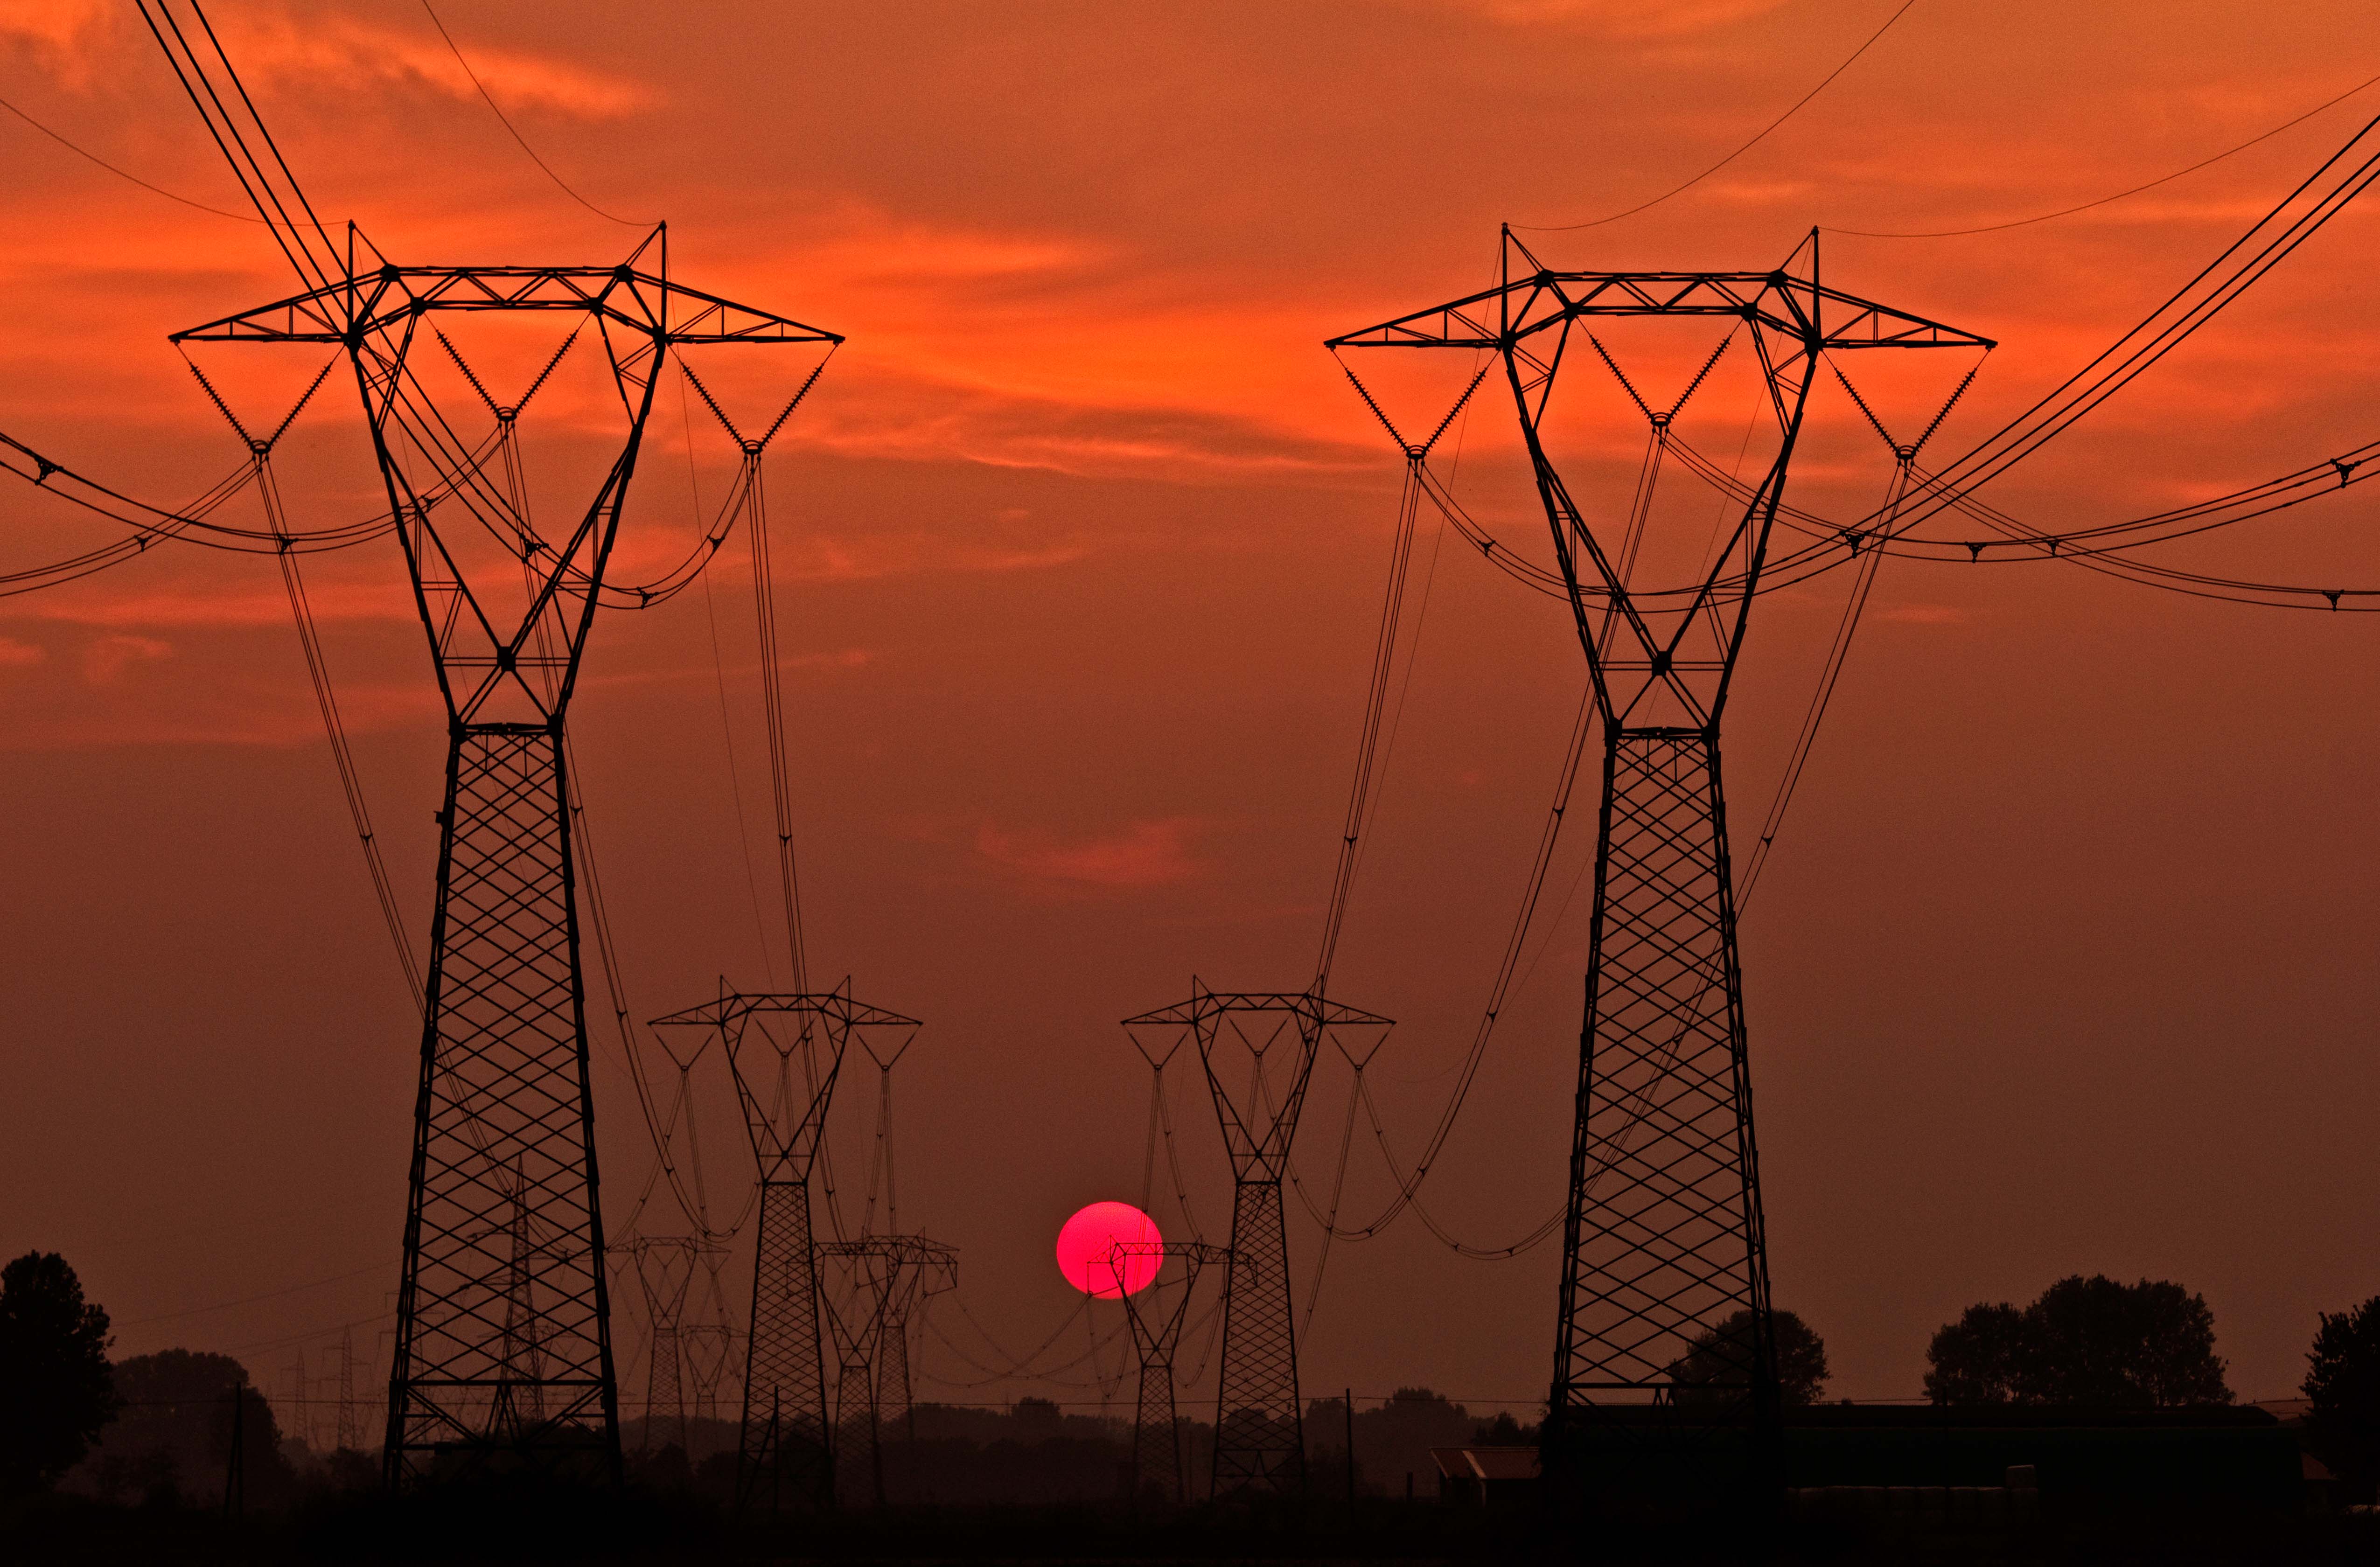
929	1268
1663	1244
1258	1053
665	1269
710	1351
879	1276
893	1388
1155	1312
786	1052
504	1120
350	1436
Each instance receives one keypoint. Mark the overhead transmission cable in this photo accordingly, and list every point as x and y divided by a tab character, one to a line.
85	152
1799	104
2120	195
505	120
460	469
2175	320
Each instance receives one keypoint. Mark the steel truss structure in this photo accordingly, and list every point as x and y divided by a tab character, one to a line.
1258	1050
883	1278
1156	1311
785	1453
929	1269
1664	1250
504	1335
666	1268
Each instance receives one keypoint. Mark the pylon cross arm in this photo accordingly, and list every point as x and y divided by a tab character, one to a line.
1546	300
386	298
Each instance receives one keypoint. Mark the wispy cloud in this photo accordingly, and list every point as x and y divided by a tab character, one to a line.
105	661
1678	18
55	25
281	51
343	49
260	607
1146	853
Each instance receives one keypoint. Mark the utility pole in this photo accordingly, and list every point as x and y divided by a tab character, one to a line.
1350	1396
1259	1051
1664	1245
235	1462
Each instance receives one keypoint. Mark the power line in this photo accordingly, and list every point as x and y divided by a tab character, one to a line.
1799	106
120	173
251	1300
2086	206
517	136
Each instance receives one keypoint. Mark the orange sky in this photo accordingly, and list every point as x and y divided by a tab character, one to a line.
2063	961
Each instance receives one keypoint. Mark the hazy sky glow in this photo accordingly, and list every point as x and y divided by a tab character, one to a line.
2064	958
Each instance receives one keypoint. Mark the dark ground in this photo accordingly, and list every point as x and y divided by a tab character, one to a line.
515	1521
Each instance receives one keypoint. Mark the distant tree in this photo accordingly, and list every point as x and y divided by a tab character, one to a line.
1394	1439
2342	1389
1504	1431
1723	1357
2149	1345
1974	1360
2097	1342
174	1434
56	1393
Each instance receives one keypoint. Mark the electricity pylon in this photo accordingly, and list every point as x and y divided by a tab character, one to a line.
1664	1249
1155	1312
710	1349
894	1389
350	1437
867	1310
1262	1048
930	1269
503	1105
666	1268
784	1453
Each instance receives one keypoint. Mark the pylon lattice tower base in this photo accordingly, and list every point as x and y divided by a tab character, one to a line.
1664	1324
786	1052
1155	1306
1257	1051
503	1340
881	1278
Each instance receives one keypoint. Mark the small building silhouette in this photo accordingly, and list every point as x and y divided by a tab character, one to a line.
1479	1476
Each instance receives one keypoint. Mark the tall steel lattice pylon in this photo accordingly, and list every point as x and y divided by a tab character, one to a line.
1259	1051
1664	1291
1157	1302
786	1052
503	1342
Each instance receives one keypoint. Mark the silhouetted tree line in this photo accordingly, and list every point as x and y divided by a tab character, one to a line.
156	1431
1033	1452
2093	1342
1719	1365
56	1394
